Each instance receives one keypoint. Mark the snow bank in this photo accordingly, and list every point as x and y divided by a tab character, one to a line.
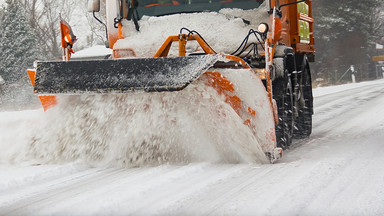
224	31
321	91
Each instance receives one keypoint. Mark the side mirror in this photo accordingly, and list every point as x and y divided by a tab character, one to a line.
272	4
93	5
268	5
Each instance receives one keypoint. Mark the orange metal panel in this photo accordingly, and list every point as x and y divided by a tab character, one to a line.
32	76
182	44
237	59
224	87
304	48
207	49
123	53
48	101
290	26
164	49
182	39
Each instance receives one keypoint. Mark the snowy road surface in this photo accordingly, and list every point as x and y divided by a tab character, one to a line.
339	170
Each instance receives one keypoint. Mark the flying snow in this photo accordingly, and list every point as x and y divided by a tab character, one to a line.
140	129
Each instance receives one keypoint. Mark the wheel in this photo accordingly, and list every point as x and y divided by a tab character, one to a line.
282	91
303	122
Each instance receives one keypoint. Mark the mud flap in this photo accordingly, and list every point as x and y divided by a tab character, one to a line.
121	75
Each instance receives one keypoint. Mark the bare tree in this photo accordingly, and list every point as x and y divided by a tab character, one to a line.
44	18
97	30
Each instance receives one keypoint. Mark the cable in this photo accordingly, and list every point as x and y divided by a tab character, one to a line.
243	46
291	4
192	32
254	49
258	33
106	30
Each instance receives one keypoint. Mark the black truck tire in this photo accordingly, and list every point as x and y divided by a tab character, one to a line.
303	122
282	92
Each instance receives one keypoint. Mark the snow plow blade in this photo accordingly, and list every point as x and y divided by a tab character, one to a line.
121	75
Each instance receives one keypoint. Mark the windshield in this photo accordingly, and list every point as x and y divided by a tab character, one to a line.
166	7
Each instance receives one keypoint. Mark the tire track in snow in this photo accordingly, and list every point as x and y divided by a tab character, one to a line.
22	201
183	188
137	183
334	112
50	193
212	198
355	185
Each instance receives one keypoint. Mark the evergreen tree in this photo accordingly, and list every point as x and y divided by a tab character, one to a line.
345	33
18	47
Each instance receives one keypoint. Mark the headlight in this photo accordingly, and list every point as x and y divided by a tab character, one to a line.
263	28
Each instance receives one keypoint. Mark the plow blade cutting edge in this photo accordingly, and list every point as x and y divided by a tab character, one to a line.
119	76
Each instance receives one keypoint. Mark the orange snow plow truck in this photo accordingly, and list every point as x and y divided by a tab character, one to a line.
254	53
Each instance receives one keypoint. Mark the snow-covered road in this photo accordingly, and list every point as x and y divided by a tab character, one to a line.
339	170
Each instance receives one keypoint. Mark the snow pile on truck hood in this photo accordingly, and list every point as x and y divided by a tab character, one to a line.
224	31
92	52
141	129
